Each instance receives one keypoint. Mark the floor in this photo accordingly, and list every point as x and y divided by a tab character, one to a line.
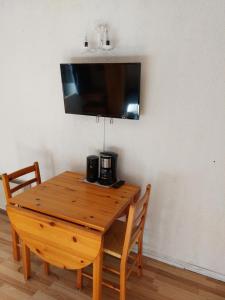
160	281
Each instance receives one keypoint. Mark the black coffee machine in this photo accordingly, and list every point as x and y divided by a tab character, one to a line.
92	168
108	163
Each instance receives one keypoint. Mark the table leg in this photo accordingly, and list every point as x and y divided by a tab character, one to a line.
15	245
46	268
26	261
97	275
79	279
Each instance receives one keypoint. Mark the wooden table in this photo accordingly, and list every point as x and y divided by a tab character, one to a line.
67	197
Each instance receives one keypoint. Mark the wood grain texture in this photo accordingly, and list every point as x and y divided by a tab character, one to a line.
68	197
46	216
60	243
159	281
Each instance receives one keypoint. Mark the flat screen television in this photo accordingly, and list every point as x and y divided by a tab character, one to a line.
102	89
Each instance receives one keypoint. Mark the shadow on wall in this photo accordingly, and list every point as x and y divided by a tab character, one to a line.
26	155
165	212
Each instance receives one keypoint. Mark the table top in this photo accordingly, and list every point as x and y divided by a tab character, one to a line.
68	197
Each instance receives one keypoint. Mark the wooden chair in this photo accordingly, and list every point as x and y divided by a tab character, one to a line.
119	242
7	179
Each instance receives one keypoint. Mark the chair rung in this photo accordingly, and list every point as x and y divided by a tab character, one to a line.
21	172
114	271
87	275
131	267
135	240
132	256
18	187
105	283
111	286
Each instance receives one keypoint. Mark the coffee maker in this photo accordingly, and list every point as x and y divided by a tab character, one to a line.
108	163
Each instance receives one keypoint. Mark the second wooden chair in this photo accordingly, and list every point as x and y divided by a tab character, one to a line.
119	242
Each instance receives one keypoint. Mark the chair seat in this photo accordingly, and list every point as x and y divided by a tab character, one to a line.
114	239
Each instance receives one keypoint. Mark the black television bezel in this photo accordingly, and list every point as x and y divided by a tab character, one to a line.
111	116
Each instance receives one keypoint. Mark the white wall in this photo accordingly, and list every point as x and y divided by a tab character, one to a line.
179	143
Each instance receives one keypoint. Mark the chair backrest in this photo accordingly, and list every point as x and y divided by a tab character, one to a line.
136	221
60	243
8	178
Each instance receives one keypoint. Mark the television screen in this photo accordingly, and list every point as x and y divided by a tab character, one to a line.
102	89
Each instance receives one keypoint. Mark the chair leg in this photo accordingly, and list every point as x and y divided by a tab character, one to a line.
79	280
46	268
15	245
139	258
123	277
26	261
